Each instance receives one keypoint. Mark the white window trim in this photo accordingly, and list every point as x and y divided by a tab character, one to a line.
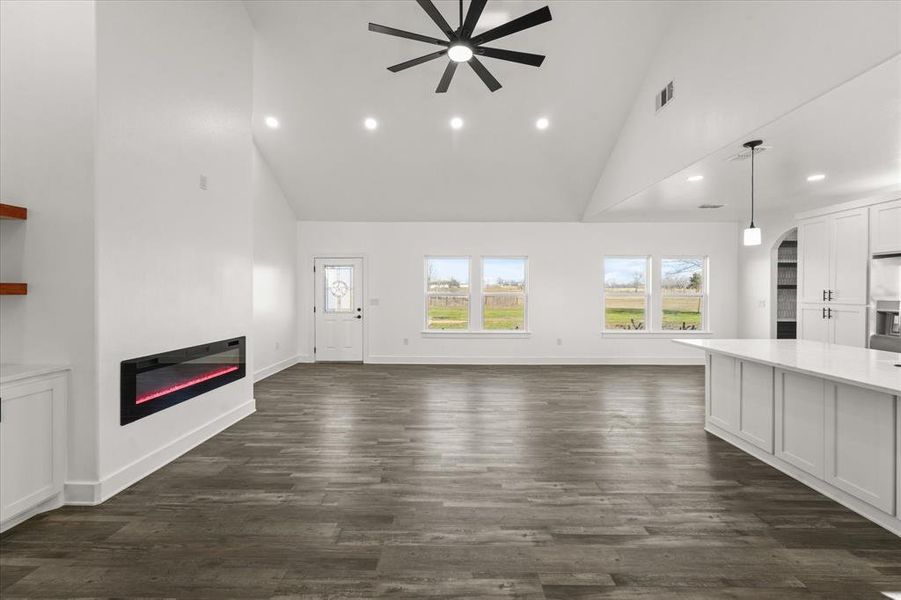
654	300
705	278
426	294
524	293
648	293
476	298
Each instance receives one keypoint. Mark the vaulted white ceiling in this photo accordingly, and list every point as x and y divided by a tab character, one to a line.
851	134
816	79
321	72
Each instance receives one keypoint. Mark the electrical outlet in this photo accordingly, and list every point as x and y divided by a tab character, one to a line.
761	303
559	341
277	345
406	342
203	182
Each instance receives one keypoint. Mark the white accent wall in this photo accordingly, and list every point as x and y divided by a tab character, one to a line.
274	274
174	261
47	99
565	287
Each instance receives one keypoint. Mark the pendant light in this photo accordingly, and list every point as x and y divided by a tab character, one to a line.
752	233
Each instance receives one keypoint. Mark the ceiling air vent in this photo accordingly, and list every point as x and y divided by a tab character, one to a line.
711	205
664	96
746	153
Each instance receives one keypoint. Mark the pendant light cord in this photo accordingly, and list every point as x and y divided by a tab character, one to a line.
461	14
753	152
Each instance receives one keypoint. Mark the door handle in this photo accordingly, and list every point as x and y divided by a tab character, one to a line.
824	295
824	312
830	295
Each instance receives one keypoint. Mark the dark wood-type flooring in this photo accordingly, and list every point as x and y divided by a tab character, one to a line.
356	481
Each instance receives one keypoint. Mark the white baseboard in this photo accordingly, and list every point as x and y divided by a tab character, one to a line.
51	503
272	369
387	359
847	500
91	493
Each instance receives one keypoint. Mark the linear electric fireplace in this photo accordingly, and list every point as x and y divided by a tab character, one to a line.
152	383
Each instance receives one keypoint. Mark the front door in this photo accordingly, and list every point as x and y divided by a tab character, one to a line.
339	309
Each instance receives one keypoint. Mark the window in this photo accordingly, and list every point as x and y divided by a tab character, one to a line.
626	292
447	293
504	294
682	293
339	288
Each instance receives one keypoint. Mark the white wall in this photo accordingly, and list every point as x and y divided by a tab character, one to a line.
274	274
755	275
738	66
174	262
47	85
565	266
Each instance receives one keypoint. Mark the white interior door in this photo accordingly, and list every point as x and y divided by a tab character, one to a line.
339	309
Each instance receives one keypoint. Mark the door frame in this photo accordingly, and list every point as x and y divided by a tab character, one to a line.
311	264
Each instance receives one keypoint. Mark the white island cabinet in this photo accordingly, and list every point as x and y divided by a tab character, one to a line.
32	440
824	414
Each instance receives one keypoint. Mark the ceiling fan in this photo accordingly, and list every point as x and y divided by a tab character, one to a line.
461	46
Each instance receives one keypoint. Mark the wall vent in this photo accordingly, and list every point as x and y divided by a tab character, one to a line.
664	96
746	153
711	205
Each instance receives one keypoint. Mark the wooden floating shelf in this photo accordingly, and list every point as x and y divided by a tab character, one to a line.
10	211
13	289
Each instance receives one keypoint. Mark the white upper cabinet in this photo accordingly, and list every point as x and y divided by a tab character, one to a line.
813	259
849	254
833	255
885	227
833	252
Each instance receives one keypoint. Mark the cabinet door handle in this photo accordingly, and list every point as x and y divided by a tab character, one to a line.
830	313
830	295
824	295
824	312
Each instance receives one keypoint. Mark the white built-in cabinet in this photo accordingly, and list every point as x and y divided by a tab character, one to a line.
32	443
833	253
801	421
846	437
885	227
860	444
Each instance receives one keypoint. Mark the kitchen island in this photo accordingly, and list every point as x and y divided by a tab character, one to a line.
824	414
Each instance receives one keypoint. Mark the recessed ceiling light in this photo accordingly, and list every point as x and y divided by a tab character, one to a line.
542	123
370	123
459	53
456	123
271	122
816	177
694	178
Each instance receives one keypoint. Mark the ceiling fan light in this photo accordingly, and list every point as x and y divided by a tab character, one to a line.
459	53
751	236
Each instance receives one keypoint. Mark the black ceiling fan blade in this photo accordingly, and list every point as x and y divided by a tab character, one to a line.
525	58
446	78
472	17
436	16
416	61
489	80
536	17
406	34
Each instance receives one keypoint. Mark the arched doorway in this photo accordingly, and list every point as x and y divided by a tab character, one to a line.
785	286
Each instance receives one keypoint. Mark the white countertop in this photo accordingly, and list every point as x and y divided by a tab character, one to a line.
873	369
13	372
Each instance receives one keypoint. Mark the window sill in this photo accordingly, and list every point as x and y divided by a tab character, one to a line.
663	335
450	333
